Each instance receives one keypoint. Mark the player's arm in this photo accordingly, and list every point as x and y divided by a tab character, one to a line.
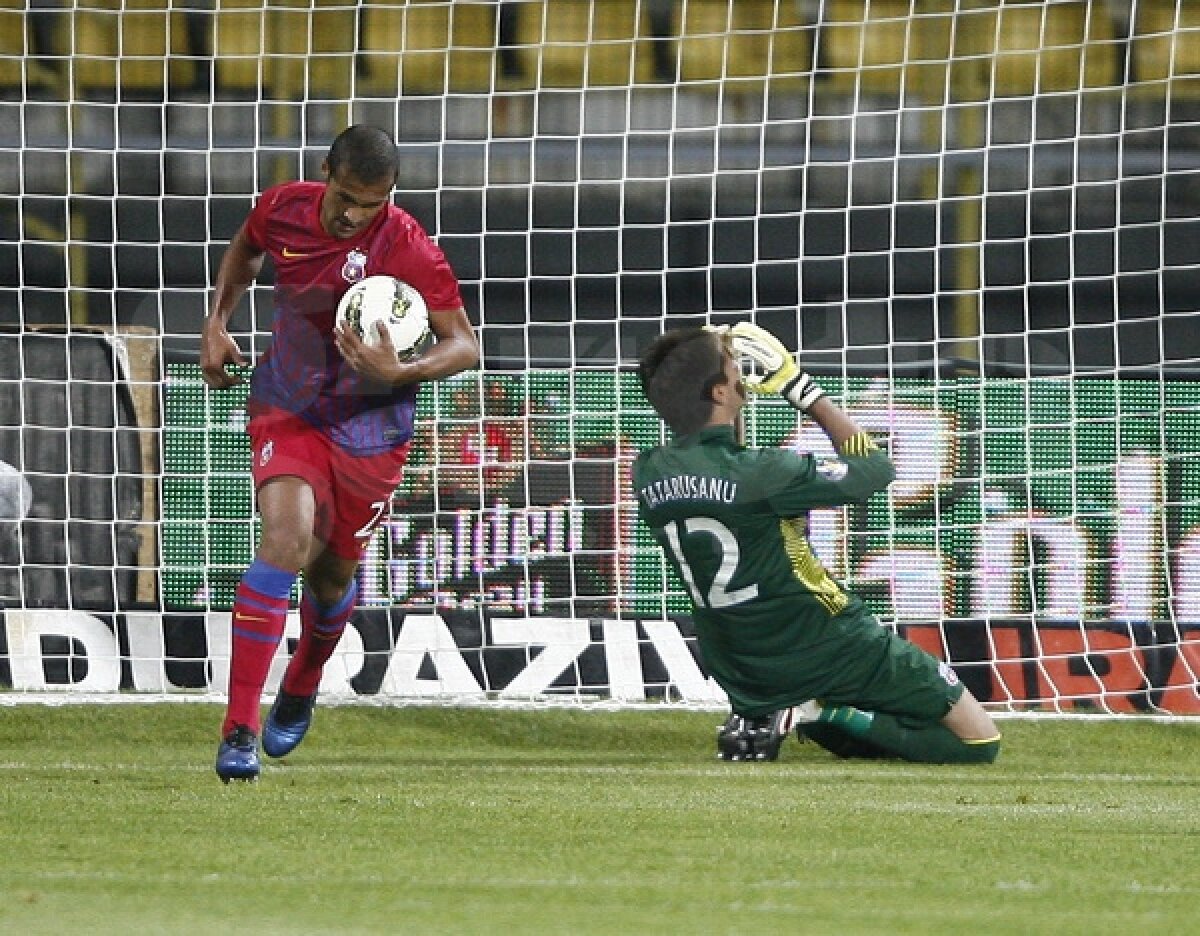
834	421
240	265
868	469
872	470
456	349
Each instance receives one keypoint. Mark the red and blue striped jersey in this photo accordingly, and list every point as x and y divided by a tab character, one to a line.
302	371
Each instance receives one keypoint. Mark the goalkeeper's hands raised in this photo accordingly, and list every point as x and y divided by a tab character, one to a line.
780	374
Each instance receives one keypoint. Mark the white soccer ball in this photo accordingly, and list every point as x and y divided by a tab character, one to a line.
391	301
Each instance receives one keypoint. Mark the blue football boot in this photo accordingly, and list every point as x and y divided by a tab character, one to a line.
237	757
287	723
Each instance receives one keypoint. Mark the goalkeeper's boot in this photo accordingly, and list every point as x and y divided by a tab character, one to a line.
734	742
287	723
768	732
237	757
755	739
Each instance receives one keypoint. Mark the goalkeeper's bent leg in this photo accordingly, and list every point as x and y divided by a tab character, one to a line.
929	744
836	741
933	743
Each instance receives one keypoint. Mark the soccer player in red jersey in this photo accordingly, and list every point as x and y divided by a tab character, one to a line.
330	417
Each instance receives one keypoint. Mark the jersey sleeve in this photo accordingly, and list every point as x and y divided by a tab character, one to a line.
803	482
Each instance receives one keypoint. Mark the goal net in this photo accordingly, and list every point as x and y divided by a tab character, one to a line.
978	221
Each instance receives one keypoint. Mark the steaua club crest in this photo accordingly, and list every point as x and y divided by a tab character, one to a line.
355	267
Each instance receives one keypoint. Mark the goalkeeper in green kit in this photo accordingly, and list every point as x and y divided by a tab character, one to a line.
788	645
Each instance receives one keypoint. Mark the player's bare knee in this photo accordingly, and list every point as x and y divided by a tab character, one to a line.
284	549
969	720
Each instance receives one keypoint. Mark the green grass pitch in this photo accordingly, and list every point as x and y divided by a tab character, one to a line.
433	820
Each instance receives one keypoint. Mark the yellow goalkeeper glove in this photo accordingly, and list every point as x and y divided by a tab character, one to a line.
781	374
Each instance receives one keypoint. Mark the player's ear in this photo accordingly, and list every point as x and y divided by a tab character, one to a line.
712	387
716	390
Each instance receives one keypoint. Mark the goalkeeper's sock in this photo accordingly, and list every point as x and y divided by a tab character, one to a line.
932	743
852	721
320	630
839	742
259	616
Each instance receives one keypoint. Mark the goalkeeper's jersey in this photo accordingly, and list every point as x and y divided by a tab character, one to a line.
733	523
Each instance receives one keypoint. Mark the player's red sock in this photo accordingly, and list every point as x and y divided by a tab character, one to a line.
320	630
259	616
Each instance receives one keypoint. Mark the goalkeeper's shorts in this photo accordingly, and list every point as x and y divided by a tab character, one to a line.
855	662
882	672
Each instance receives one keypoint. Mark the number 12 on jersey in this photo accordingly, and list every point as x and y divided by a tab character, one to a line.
719	594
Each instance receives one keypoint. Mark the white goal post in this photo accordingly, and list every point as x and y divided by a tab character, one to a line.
978	221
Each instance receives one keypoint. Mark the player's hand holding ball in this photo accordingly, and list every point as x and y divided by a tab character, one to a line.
380	322
780	373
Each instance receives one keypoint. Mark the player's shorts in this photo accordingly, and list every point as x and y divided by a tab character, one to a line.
352	492
882	672
853	660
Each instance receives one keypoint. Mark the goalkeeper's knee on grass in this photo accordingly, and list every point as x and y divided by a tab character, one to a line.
927	743
849	732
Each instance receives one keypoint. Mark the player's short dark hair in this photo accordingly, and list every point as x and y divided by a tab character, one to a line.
678	371
365	152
